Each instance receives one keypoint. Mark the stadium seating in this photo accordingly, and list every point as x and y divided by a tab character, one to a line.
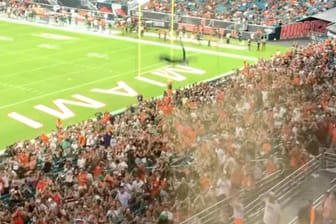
256	12
184	152
73	4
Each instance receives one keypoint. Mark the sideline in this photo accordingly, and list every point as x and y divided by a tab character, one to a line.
114	36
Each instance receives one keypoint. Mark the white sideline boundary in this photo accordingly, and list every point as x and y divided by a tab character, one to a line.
129	39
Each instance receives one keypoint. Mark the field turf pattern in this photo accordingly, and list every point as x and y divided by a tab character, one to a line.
37	70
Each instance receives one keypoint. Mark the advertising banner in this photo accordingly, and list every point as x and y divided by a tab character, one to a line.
303	29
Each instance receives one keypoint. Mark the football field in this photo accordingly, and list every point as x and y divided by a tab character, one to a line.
51	73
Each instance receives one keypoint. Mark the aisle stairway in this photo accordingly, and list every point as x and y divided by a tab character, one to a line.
311	189
307	183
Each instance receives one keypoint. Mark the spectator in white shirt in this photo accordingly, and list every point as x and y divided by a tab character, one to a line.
272	210
137	185
123	197
81	162
223	188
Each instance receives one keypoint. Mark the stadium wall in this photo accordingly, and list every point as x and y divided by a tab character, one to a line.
162	20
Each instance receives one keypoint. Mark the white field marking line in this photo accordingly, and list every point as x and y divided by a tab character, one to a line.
123	109
151	81
96	55
219	76
13	74
21	87
213	42
220	45
7	51
85	84
32	49
54	53
74	87
117	111
6	86
108	69
122	38
28	50
49	46
55	37
27	42
6	38
114	62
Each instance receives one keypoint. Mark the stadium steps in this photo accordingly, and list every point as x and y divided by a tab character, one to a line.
307	183
220	211
299	184
282	190
309	190
317	202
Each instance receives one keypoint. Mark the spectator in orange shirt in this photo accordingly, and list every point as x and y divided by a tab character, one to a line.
18	216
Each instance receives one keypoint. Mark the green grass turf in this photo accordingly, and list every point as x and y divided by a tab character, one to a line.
31	75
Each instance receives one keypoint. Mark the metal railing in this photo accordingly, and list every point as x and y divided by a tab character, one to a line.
254	208
283	189
212	213
53	2
215	212
317	202
329	161
91	5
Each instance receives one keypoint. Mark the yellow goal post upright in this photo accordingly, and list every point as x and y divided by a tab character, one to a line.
139	37
171	32
139	15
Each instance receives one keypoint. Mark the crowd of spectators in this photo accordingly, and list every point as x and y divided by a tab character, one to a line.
260	12
252	11
56	15
165	159
118	168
